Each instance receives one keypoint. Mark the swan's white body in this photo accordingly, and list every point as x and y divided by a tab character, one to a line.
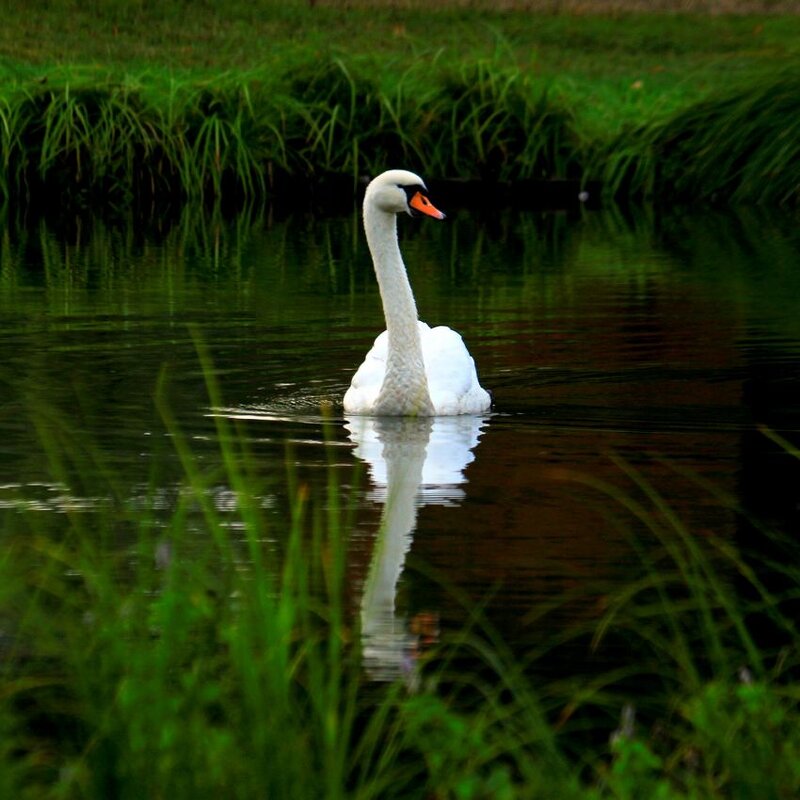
412	369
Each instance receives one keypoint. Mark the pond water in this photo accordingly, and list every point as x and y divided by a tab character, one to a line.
621	352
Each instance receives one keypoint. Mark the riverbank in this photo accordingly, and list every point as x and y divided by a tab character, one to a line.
125	104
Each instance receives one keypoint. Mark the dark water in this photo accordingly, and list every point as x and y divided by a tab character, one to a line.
619	351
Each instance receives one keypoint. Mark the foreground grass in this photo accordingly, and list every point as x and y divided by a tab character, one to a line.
124	101
199	653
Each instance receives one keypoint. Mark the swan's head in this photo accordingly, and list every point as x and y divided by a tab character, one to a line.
400	191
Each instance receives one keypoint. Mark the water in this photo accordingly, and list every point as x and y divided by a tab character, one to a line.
621	353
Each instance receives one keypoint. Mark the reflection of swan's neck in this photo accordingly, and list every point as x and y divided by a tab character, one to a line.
404	462
412	461
387	643
405	387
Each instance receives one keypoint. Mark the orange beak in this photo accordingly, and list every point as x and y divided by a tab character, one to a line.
419	202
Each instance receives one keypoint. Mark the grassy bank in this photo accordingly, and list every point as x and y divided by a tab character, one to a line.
194	651
127	101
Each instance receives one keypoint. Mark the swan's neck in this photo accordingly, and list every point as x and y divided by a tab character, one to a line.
405	386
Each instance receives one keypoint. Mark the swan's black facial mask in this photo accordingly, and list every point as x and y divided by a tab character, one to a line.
419	204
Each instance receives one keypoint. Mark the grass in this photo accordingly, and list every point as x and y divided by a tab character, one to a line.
737	147
196	650
111	144
126	102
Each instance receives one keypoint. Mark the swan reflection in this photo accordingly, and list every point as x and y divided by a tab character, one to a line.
412	461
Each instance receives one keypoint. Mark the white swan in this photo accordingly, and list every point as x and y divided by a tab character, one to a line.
412	369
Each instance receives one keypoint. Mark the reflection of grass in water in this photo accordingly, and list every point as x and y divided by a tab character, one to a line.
201	653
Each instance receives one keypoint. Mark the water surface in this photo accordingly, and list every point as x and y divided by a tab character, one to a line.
622	353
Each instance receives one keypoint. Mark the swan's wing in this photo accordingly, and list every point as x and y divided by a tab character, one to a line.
448	364
366	384
452	379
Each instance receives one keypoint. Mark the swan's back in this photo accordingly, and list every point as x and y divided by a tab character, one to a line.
452	379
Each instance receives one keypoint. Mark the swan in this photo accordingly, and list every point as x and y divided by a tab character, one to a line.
412	369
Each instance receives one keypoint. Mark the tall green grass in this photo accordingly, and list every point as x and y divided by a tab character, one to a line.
109	143
120	102
240	138
193	650
742	146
